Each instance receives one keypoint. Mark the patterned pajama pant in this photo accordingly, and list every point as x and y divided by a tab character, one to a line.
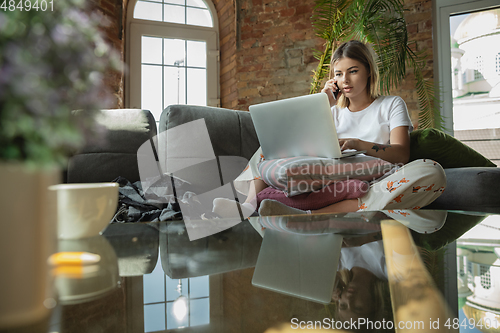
413	186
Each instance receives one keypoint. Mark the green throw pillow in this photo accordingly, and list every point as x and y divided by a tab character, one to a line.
446	150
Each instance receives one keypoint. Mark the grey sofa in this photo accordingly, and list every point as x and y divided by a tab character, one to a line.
232	134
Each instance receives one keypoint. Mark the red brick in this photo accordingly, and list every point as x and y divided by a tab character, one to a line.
257	84
247	28
418	17
226	7
277	31
251	35
254	51
230	66
261	74
266	17
296	36
250	43
427	25
251	68
412	28
226	31
270	2
423	35
424	6
407	2
287	12
303	9
262	26
301	26
295	3
248	60
274	8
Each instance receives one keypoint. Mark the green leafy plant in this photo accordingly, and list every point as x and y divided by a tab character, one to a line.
52	62
380	23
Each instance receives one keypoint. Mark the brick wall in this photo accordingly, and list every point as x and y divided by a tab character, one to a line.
267	48
419	24
274	50
113	30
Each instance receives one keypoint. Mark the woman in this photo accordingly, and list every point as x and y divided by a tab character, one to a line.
364	121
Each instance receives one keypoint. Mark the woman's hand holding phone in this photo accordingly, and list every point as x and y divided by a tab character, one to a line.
332	90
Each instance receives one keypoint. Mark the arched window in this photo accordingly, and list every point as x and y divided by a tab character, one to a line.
172	53
192	12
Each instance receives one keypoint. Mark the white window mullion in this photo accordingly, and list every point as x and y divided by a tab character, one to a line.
137	30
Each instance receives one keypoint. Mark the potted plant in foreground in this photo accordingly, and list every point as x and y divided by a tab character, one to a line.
52	60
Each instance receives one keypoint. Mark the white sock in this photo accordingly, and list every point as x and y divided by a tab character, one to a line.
229	208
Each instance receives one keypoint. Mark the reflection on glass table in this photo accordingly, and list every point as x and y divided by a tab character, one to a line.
339	260
83	283
478	275
377	257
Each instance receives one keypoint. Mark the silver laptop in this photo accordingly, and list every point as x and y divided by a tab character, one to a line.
299	126
302	266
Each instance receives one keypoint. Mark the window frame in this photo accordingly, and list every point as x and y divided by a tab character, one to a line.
442	10
139	27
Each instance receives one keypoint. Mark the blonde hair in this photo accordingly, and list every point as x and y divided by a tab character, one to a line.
361	52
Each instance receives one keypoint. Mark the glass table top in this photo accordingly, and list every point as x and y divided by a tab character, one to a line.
381	271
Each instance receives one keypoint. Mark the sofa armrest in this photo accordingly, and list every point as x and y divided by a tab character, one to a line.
126	131
470	189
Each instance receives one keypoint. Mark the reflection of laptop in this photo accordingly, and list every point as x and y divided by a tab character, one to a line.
302	266
299	126
346	224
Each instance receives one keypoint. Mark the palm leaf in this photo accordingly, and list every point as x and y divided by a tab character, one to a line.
329	24
380	23
429	115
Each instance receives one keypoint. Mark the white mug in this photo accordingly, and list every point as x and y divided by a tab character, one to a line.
85	210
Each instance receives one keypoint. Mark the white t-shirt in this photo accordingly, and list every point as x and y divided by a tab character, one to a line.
373	124
369	256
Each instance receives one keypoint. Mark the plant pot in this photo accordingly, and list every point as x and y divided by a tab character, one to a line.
27	238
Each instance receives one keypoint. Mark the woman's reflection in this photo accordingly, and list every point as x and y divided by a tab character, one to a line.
361	287
360	294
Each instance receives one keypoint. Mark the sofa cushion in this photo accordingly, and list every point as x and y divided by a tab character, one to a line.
470	189
342	190
436	145
231	132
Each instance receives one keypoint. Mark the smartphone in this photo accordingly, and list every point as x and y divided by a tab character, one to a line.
336	93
